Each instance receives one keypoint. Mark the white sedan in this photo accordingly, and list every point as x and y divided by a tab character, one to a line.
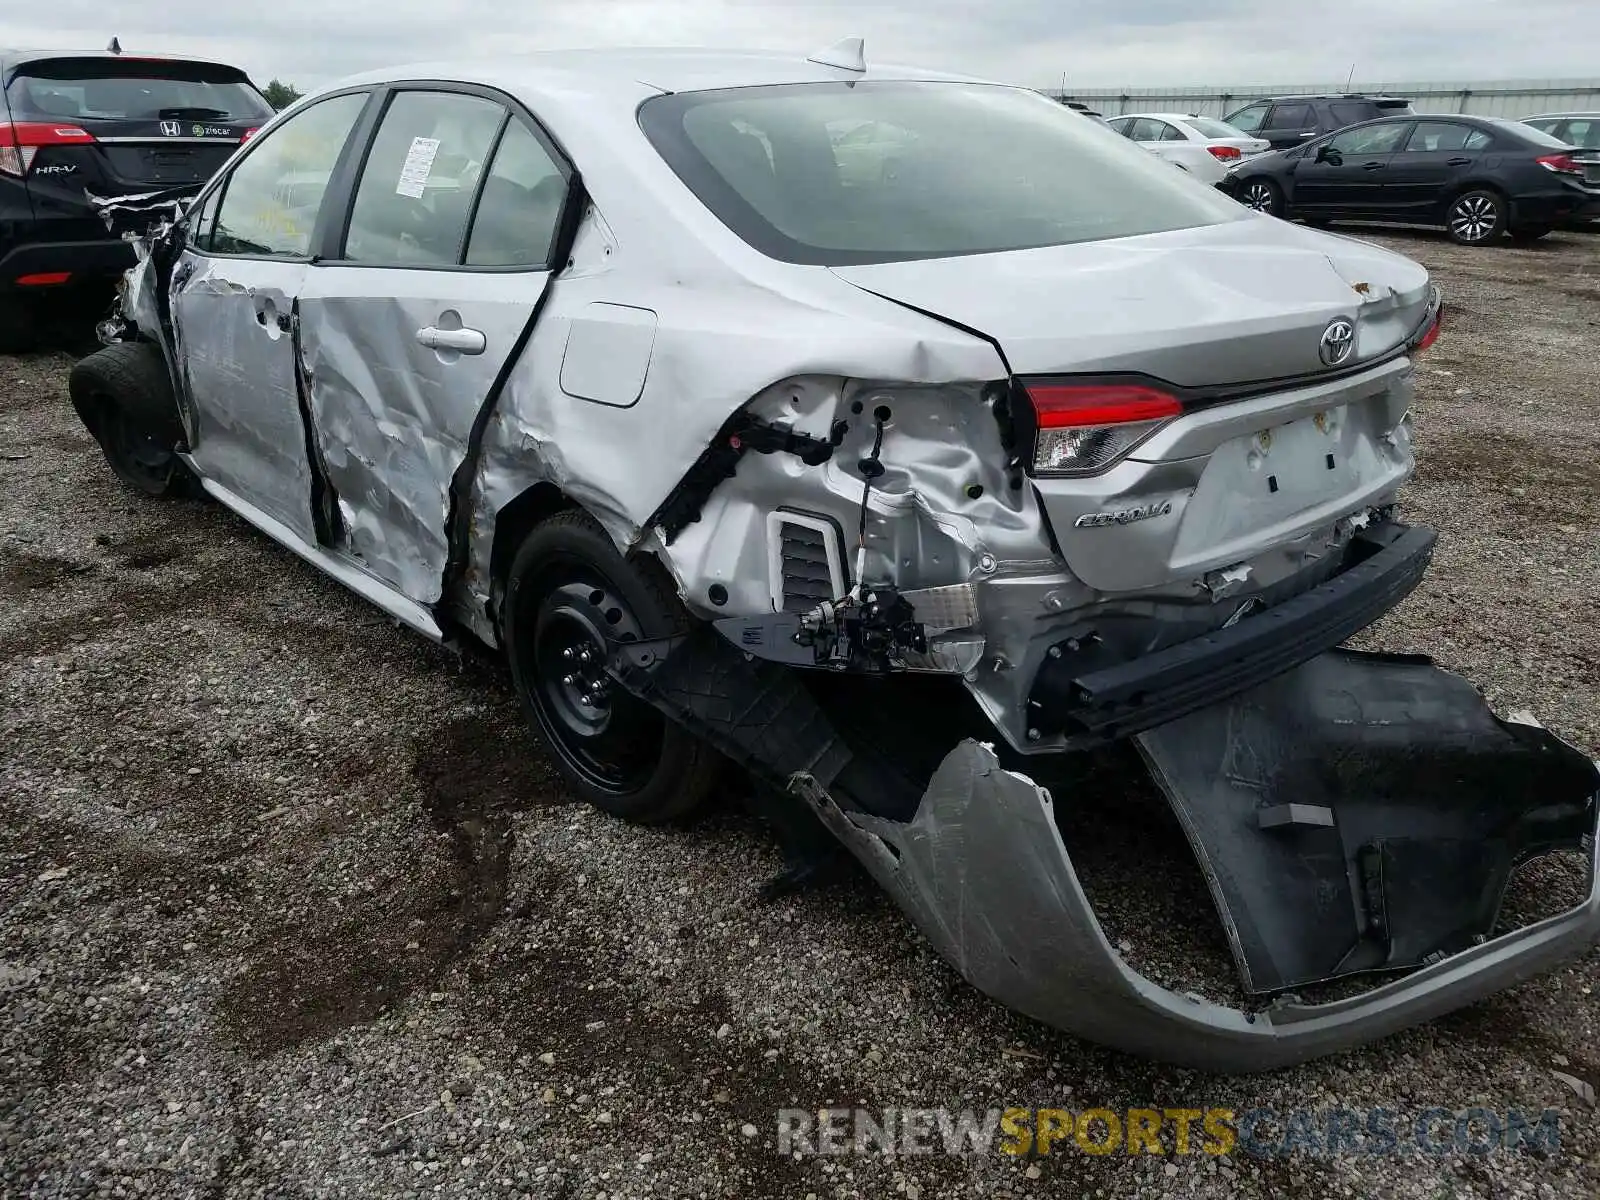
1203	146
898	438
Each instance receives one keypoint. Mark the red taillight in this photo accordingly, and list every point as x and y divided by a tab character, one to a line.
1561	164
250	133
1431	336
1226	153
44	279
1075	406
20	142
1084	428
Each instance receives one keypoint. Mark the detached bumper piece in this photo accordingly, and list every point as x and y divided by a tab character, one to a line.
1359	814
1093	702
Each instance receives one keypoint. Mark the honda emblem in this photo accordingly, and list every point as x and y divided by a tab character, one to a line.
171	129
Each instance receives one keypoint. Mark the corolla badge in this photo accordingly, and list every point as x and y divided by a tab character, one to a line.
1124	516
1338	340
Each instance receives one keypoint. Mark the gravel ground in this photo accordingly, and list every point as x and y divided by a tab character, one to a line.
291	907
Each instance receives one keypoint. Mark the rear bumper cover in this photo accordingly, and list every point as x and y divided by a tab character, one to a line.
1405	759
983	871
104	258
1075	695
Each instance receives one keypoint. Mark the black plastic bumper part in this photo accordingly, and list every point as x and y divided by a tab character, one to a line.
1091	702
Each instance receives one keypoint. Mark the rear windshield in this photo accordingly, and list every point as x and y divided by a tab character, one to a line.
835	174
1527	133
1206	127
109	89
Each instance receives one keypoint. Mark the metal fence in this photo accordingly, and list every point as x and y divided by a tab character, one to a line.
1503	98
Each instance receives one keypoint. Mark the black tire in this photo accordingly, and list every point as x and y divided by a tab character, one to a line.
1476	217
568	592
1530	233
19	327
123	396
1263	196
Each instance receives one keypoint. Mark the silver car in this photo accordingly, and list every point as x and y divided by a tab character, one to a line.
901	486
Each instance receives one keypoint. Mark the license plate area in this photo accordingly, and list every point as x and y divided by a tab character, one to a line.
1301	463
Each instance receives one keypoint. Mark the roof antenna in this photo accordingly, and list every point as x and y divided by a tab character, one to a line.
115	47
846	54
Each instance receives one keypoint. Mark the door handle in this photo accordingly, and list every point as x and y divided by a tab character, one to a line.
1372	166
466	341
1457	162
1310	133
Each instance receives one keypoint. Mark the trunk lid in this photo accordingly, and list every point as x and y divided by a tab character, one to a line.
1222	304
1231	481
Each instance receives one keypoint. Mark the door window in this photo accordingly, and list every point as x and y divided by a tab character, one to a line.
521	204
1584	134
1368	139
1167	132
270	201
1429	136
1146	130
1288	118
415	194
1248	120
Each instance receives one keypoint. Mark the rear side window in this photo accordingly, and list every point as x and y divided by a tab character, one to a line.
112	89
1347	113
1585	134
959	169
1429	136
520	206
271	199
1290	116
415	194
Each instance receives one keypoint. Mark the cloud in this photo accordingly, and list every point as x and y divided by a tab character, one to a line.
1035	42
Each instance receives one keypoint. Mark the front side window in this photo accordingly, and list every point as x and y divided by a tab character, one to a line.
1368	139
415	194
271	200
1248	120
974	168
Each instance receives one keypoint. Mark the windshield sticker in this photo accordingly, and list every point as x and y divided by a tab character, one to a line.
418	166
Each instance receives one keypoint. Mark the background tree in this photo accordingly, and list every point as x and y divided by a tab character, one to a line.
280	95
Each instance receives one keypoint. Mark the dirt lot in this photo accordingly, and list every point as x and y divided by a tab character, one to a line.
290	907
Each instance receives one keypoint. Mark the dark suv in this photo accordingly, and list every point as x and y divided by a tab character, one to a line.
1286	121
76	125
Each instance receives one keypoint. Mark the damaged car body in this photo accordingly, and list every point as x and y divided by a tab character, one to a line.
901	487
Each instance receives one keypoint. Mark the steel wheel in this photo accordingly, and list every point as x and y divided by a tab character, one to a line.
1261	196
138	458
609	738
1476	217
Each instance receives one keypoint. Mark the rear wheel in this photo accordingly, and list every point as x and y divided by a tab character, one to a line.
19	330
124	398
1264	196
569	597
1530	233
1476	217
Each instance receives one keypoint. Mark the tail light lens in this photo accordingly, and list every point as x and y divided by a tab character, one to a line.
1083	428
1561	164
250	133
1226	153
20	142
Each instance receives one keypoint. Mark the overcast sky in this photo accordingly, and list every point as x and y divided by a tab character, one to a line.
1092	42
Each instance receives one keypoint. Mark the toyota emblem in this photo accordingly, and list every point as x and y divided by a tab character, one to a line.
1338	340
